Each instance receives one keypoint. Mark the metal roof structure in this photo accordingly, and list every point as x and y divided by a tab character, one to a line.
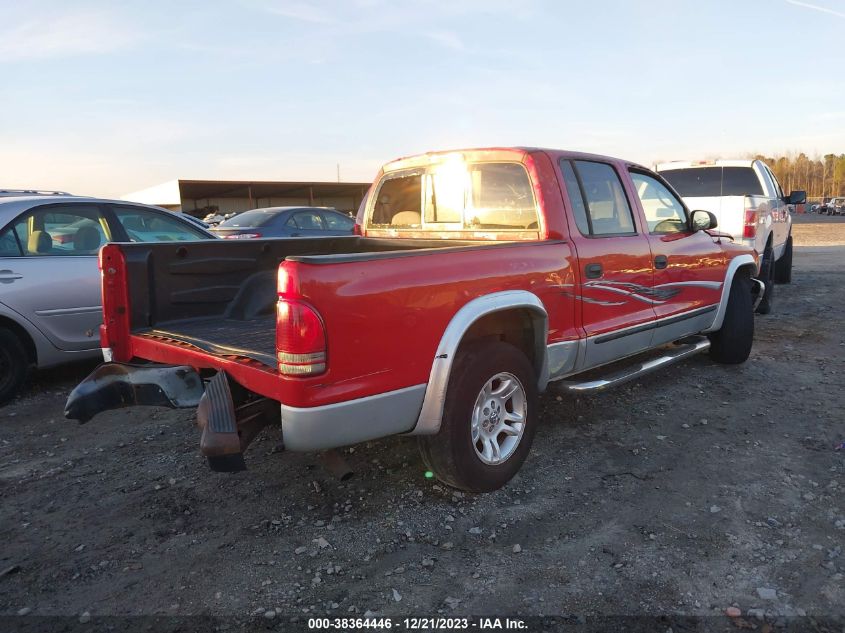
240	195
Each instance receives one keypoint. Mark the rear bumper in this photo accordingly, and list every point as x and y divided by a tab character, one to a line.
118	385
229	424
353	421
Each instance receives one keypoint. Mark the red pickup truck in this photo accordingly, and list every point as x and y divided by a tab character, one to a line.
476	279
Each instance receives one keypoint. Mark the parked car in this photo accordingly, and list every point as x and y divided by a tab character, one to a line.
285	222
50	308
749	204
835	206
480	278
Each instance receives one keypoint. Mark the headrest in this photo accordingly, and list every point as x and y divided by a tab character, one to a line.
406	218
87	238
39	242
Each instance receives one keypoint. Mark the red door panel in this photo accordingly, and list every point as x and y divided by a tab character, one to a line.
688	266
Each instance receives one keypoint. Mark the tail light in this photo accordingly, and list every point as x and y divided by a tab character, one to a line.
300	339
115	330
750	227
356	230
242	236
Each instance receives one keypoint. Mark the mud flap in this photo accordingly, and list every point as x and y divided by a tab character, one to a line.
220	441
119	385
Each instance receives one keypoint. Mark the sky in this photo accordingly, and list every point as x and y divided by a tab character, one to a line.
104	98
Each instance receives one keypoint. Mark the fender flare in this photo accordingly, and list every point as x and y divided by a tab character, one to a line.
431	413
737	262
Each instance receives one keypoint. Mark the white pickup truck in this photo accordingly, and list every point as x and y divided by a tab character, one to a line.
749	204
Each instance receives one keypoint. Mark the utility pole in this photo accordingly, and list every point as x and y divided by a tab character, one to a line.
338	172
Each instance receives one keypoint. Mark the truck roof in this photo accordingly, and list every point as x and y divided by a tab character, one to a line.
718	162
493	153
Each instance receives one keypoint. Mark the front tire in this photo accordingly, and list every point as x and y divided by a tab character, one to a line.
731	344
489	419
767	276
13	365
783	267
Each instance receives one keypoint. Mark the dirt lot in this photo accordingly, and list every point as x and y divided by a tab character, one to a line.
692	490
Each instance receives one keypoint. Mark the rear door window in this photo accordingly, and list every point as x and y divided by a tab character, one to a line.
62	230
608	212
712	182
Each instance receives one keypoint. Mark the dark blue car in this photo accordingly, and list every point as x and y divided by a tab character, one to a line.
285	222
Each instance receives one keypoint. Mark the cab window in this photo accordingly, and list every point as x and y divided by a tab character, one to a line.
664	213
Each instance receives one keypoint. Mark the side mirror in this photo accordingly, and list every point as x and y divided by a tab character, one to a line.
797	197
703	220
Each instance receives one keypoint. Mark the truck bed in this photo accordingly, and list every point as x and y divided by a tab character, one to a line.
251	338
220	296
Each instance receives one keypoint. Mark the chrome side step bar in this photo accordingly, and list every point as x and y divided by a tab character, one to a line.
692	345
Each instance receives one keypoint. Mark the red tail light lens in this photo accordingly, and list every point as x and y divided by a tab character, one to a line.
115	330
300	339
750	228
356	230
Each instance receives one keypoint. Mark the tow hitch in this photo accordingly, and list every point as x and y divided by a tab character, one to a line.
227	428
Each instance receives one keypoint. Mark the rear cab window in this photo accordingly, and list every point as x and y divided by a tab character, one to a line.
714	182
456	196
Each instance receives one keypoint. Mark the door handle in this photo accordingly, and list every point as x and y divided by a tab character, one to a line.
8	276
593	271
661	261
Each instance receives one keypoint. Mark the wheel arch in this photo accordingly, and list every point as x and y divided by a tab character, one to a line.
23	335
505	316
742	265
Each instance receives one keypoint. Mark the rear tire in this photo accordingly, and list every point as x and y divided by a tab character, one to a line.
767	276
731	344
13	365
783	267
489	419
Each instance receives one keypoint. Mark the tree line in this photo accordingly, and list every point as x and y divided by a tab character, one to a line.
820	177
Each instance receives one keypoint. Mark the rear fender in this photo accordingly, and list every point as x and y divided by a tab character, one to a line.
428	422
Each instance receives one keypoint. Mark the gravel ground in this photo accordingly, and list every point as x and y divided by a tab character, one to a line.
693	490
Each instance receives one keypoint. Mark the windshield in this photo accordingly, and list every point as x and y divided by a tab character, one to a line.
708	182
249	219
455	195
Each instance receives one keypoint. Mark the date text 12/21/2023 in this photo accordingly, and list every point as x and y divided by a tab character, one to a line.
416	623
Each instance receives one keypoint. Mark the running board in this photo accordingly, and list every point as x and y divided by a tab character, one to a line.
678	352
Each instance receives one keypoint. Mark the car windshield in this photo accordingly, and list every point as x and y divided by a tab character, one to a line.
706	182
257	217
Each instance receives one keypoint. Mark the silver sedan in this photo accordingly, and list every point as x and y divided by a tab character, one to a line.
49	281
